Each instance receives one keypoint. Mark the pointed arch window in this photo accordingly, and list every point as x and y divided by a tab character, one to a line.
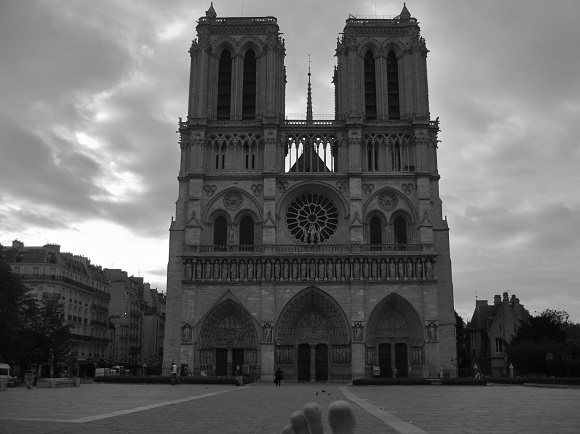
393	85
220	231
370	86
224	95
375	231
400	229
249	87
247	231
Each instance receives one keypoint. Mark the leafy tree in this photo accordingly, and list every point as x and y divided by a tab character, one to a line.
541	346
460	341
17	312
51	338
31	331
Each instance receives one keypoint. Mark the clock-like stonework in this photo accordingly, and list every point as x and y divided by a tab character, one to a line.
312	218
233	201
387	201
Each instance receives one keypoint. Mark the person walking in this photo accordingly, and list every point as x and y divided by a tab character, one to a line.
278	377
173	373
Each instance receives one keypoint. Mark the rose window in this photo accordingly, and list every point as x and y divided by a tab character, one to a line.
312	218
233	201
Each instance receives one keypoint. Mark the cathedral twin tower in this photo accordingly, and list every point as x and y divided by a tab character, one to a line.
316	246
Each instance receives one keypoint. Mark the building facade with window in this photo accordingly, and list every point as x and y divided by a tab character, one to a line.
82	289
317	246
492	327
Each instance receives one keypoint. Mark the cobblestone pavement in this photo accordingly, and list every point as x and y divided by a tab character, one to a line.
263	408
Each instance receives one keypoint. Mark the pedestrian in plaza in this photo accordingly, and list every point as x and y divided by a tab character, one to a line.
278	377
173	373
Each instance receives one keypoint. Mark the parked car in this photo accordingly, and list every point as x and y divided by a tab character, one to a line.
6	374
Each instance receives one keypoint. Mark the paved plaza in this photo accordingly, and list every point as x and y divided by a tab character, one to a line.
263	408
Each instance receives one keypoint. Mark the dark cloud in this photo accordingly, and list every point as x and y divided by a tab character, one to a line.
91	93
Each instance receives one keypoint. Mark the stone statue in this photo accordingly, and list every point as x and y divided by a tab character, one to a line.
419	269
392	270
409	269
207	270
277	270
356	269
294	270
198	270
321	269
329	269
188	271
250	270
383	269
347	269
268	270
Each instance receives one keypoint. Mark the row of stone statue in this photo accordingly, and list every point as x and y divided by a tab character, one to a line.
309	269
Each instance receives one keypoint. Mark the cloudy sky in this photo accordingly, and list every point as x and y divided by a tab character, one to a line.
90	94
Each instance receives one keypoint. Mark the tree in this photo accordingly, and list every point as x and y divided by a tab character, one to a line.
541	345
31	331
460	342
17	312
51	338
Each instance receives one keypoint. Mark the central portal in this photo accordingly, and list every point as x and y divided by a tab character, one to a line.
313	338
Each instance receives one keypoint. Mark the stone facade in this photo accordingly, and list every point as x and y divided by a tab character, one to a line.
492	327
317	246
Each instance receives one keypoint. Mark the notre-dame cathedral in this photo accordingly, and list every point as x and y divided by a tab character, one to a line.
316	246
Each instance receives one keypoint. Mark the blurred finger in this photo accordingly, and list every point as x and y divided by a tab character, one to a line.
313	414
341	418
299	423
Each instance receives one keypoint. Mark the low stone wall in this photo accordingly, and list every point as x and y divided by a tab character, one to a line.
52	383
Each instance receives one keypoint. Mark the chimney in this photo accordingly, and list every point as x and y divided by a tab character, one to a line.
55	247
505	297
496	300
479	303
17	243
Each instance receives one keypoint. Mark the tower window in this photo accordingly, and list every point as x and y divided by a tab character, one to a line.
224	86
370	86
375	228
247	231
249	87
393	85
220	231
400	227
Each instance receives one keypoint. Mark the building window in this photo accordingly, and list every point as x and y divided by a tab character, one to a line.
247	231
499	345
249	89
224	86
400	230
393	85
35	270
375	231
220	231
370	86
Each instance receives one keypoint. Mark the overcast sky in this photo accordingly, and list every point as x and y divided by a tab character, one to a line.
90	94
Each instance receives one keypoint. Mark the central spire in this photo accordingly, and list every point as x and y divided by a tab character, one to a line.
309	96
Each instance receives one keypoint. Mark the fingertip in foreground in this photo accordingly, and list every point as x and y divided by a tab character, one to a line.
341	418
313	414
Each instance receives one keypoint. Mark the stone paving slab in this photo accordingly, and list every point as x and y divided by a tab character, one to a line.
479	409
263	408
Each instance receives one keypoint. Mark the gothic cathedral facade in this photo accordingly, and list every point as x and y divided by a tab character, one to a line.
316	246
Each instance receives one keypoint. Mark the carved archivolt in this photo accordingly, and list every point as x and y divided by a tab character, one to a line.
228	325
394	320
312	316
232	200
